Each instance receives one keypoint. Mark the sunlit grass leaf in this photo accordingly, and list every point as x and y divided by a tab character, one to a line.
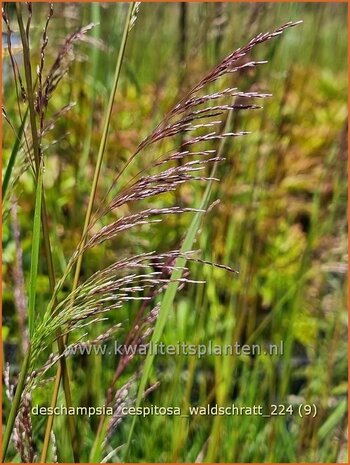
35	253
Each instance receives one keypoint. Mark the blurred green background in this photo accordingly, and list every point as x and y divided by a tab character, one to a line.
281	221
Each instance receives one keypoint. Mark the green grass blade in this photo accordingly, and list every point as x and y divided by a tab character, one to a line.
168	300
35	253
333	420
88	215
170	293
13	156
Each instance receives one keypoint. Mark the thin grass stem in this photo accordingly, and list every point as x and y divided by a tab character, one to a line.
45	229
13	156
170	293
92	196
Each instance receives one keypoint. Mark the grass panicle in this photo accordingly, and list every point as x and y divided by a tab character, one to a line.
127	231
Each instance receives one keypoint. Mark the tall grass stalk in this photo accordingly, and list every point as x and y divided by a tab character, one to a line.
44	217
31	314
281	220
170	293
35	254
13	156
96	17
103	144
88	215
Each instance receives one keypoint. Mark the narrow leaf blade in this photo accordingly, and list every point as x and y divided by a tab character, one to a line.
35	252
12	160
